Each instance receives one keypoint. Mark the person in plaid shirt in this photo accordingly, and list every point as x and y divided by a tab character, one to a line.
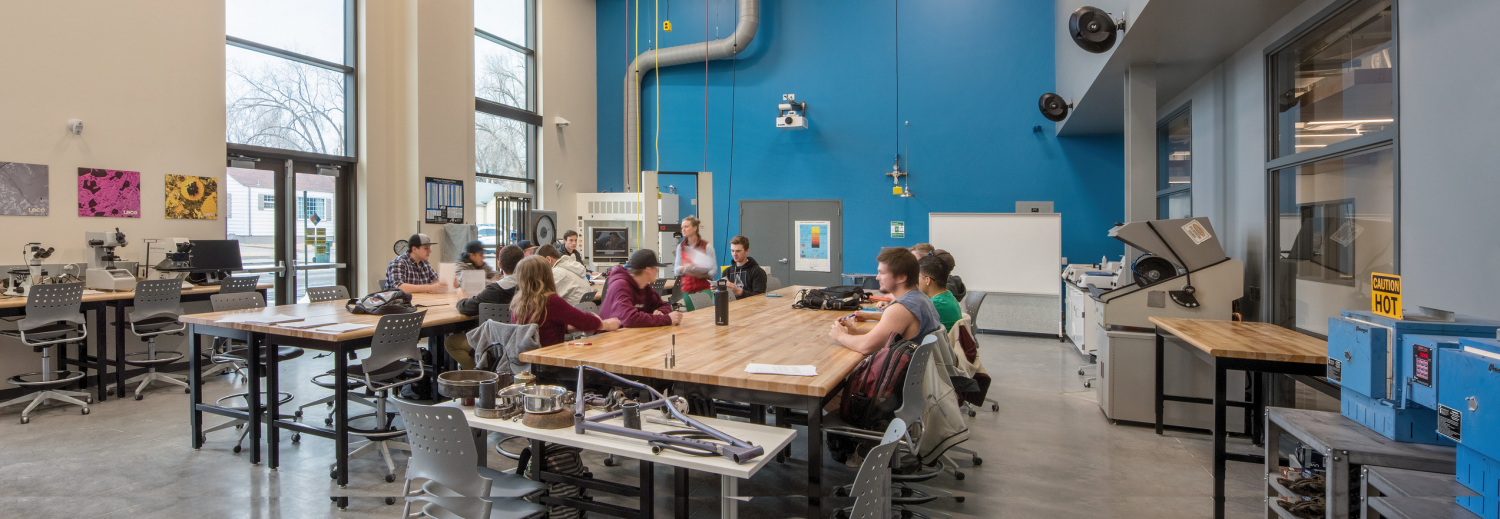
410	272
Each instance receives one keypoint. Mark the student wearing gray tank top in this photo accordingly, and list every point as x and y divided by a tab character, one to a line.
911	313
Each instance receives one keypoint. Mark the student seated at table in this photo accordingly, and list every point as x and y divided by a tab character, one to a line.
931	283
630	298
921	249
473	259
498	292
745	277
911	313
567	272
537	302
410	272
569	247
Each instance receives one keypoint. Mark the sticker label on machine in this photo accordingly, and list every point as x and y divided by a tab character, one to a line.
1421	362
1196	232
1335	370
1450	422
1385	295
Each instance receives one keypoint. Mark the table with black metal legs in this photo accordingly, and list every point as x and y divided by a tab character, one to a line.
123	371
1254	348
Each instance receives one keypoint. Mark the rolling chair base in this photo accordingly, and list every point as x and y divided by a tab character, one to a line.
148	378
384	447
42	396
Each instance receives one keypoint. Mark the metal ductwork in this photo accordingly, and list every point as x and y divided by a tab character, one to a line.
744	31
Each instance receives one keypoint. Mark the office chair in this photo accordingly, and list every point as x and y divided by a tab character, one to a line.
330	293
587	303
444	457
393	354
872	484
158	303
700	301
773	284
52	313
238	284
243	301
499	313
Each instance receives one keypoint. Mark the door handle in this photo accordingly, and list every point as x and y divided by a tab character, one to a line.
783	260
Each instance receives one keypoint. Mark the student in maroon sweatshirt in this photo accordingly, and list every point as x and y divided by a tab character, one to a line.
537	302
628	295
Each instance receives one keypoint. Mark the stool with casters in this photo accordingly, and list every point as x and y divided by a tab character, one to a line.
244	301
238	284
445	459
329	293
52	316
325	381
158	303
394	362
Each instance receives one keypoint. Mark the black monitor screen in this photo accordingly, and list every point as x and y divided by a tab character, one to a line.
217	255
611	243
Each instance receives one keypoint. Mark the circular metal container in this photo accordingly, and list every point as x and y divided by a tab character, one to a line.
545	399
463	383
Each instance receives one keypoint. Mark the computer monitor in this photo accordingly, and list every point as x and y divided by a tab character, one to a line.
216	255
611	244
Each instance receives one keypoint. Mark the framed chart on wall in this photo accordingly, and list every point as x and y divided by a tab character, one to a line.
109	193
445	200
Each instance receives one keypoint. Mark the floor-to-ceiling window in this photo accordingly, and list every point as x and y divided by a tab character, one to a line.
289	107
505	107
1174	165
1332	163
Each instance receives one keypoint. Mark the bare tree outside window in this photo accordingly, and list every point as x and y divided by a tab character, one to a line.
500	144
280	103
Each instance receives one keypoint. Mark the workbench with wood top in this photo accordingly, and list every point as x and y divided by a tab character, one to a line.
761	330
1254	348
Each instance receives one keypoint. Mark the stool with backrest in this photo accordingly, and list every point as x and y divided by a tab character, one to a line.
393	351
158	303
325	381
219	360
238	284
773	284
699	301
872	485
587	303
445	458
245	301
52	315
499	313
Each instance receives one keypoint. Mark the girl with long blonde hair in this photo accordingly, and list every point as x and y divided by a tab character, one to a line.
537	302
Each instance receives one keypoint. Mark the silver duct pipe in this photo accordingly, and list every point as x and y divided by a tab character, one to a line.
744	31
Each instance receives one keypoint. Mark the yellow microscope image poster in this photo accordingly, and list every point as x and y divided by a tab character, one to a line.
192	198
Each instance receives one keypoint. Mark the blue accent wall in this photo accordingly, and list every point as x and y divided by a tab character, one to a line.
970	73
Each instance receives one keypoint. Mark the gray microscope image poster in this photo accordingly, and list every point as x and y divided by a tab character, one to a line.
23	189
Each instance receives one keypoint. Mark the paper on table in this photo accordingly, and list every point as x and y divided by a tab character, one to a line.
269	319
341	328
308	324
777	369
472	282
446	273
90	291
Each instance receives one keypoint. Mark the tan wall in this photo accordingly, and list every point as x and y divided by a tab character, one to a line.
566	50
147	79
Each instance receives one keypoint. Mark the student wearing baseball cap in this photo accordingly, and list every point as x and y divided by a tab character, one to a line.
628	295
410	272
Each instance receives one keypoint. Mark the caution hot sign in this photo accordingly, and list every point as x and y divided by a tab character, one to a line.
1385	290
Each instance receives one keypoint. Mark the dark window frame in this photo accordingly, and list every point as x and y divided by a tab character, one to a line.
527	115
1186	110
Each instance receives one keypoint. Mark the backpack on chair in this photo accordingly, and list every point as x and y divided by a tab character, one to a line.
874	392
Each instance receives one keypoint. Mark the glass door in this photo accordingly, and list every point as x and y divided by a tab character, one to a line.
250	194
288	217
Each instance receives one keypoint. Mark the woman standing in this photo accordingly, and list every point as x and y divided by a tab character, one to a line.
696	261
537	302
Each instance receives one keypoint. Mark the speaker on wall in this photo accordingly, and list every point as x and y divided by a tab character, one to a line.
1053	107
542	229
1093	29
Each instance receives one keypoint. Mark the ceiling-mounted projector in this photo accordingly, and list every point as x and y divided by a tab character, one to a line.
1053	107
1093	29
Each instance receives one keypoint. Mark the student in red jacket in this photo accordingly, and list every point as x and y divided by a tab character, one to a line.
628	295
537	302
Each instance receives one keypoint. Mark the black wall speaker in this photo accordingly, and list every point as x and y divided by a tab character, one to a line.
1093	29
543	228
1053	107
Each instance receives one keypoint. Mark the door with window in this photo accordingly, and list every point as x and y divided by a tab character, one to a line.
292	245
777	241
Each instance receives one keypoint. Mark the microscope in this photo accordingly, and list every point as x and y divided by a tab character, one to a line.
102	274
22	279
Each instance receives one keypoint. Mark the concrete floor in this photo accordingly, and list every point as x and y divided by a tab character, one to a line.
1049	452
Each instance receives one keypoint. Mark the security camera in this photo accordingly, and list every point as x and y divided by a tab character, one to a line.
75	126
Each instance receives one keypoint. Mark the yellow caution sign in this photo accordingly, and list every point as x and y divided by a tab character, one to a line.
1386	292
666	26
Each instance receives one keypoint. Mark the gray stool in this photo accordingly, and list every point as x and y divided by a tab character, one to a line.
238	284
443	455
243	301
158	303
393	350
52	313
331	293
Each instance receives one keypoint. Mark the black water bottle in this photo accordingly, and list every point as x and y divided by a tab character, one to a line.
721	303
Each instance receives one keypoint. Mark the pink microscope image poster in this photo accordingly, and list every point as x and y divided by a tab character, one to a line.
109	193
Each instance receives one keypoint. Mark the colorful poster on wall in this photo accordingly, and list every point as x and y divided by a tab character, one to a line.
812	246
109	193
192	198
23	189
445	200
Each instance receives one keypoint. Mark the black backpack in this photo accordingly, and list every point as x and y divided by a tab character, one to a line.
830	298
381	303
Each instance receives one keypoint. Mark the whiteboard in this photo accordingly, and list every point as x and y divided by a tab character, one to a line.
1017	253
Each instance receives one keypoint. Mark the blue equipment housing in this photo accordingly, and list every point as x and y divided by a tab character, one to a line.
1469	413
1370	357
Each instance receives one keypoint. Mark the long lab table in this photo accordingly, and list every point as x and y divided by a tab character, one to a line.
442	319
762	330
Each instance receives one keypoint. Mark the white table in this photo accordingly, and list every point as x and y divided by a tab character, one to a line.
771	439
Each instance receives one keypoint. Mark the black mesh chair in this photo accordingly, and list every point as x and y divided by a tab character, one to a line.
394	362
238	284
52	318
498	312
244	301
158	303
332	293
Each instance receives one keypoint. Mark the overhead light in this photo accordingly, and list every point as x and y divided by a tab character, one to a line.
1312	145
1361	121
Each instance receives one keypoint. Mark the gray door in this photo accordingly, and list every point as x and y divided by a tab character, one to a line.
771	227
